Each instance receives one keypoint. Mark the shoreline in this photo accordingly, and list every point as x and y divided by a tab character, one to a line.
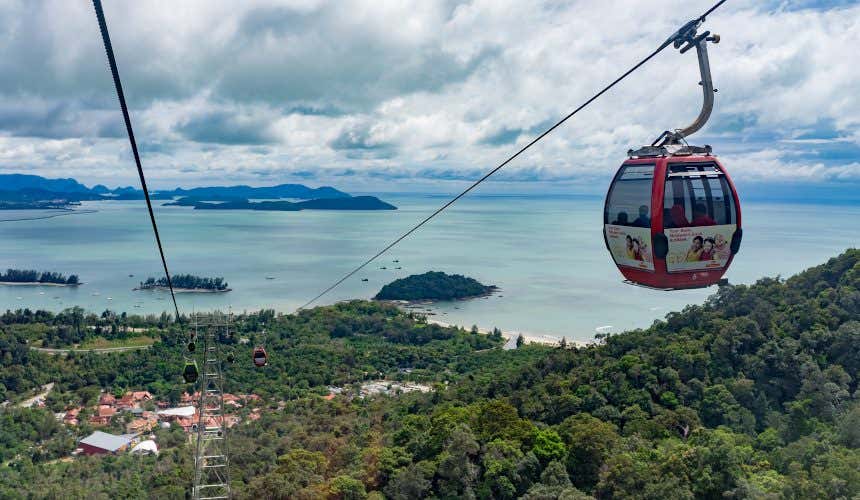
510	336
423	302
181	290
36	283
63	212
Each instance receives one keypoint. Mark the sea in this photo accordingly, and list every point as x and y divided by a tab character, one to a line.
545	253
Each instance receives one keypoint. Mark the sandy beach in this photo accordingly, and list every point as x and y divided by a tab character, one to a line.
510	336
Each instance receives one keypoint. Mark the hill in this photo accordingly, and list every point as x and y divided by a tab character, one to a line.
433	285
21	191
17	182
753	394
247	192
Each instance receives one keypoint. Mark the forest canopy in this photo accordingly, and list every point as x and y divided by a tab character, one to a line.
188	282
752	394
30	276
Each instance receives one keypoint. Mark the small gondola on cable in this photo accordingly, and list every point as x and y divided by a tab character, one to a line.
190	373
260	357
672	217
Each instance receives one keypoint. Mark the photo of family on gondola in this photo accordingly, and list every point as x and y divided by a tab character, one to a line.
707	248
637	250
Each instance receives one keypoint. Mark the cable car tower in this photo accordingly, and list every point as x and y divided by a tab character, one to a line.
211	465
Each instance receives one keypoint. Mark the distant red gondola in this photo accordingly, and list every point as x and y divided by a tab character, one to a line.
260	357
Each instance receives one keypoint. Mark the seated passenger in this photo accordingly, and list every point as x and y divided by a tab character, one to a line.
621	220
643	220
678	219
701	217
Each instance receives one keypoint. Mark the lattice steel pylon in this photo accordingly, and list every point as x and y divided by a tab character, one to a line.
211	462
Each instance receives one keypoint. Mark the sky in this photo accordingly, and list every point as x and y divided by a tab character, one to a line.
425	95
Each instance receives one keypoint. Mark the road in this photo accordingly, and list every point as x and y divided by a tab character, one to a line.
46	389
48	350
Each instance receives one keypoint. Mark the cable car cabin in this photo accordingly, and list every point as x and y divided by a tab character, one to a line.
190	373
672	220
260	357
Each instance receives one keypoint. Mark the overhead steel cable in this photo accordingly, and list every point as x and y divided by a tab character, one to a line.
97	4
534	141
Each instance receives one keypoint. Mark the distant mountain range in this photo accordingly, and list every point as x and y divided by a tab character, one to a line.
22	191
350	203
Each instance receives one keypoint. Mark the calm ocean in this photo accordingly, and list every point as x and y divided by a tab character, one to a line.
546	254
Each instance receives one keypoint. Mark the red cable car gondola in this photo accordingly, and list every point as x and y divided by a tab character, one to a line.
260	357
672	216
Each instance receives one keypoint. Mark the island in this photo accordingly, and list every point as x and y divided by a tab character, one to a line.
434	285
30	277
186	283
350	203
25	192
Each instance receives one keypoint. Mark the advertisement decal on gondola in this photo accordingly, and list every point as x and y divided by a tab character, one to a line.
630	246
698	248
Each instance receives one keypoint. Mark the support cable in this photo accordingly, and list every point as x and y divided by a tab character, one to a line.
97	4
534	141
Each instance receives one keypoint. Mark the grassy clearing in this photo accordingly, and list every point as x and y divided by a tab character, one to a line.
103	343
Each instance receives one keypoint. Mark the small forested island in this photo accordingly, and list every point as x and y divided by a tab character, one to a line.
186	283
434	285
30	277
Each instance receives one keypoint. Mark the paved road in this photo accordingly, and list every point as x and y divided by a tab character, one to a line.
49	350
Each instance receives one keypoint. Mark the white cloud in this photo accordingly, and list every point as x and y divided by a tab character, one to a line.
262	90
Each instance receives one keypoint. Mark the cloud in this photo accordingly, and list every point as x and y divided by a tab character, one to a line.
226	128
416	91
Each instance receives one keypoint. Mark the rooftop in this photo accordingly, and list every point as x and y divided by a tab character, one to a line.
105	441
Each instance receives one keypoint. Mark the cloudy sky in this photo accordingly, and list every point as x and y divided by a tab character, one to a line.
422	95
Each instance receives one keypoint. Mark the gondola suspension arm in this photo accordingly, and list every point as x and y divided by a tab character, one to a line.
684	40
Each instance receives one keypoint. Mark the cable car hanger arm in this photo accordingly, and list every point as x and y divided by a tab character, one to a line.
684	40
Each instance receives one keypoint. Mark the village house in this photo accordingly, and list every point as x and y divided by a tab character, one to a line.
71	416
145	422
103	415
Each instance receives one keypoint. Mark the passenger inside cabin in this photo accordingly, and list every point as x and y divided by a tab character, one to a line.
621	220
643	220
701	217
677	217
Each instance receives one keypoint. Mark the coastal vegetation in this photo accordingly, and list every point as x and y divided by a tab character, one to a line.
752	394
30	276
186	282
434	285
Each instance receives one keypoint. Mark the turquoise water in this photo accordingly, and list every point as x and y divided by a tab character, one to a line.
546	253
